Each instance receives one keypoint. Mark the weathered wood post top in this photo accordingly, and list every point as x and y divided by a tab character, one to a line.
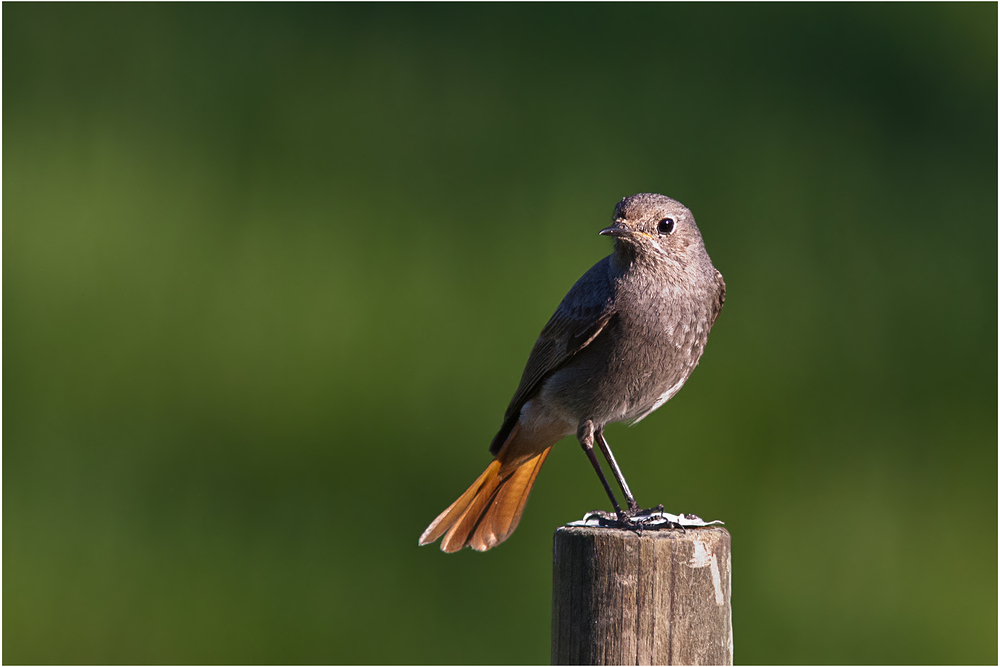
656	597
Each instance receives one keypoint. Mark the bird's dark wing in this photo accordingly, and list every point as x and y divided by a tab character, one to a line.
583	314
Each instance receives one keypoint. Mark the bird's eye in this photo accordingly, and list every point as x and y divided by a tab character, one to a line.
665	226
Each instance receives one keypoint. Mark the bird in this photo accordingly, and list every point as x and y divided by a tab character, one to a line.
622	342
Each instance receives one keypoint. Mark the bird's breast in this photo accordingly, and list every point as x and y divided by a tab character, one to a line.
636	364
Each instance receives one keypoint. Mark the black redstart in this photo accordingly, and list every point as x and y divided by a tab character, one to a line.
622	342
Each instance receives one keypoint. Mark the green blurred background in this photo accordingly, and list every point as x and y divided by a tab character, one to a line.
271	274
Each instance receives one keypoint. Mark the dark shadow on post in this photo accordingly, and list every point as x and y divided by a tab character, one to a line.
661	597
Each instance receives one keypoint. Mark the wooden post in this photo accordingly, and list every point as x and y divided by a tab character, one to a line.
661	597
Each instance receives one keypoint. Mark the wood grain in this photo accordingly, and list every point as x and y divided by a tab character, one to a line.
652	598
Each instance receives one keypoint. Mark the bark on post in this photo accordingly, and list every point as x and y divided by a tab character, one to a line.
661	597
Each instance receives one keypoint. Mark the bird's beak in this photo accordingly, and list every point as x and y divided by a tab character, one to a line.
617	229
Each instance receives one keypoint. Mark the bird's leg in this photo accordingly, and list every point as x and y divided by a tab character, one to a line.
585	434
633	507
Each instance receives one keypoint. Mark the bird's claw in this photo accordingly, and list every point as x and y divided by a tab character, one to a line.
634	518
637	520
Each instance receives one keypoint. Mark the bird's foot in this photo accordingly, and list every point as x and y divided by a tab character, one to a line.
638	520
600	518
633	518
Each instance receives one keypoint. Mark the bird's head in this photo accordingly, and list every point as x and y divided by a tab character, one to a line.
653	227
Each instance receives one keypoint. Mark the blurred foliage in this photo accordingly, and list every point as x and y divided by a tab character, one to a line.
271	273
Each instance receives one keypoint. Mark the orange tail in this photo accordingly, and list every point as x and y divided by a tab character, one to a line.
488	512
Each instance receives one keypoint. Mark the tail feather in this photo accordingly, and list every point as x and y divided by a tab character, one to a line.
507	505
489	510
459	534
448	518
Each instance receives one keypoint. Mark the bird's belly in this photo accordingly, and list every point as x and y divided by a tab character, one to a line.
620	382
